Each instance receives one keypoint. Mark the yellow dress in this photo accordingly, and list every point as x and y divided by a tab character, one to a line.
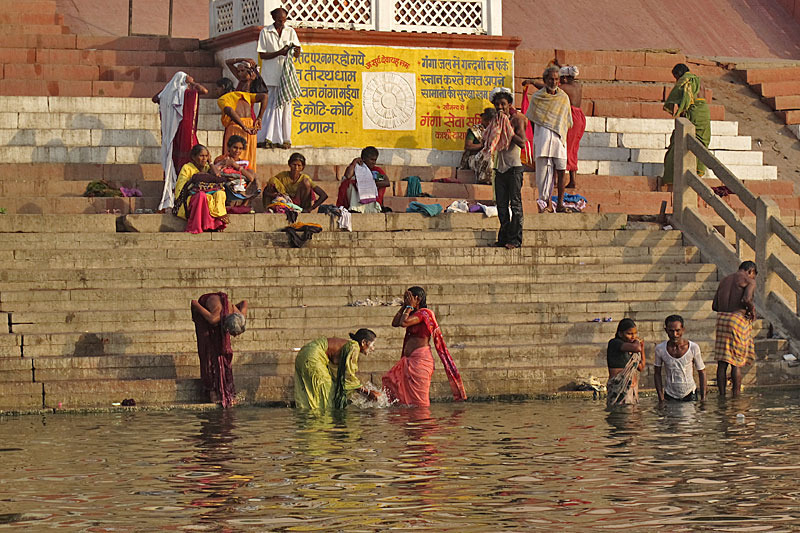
231	100
315	376
216	200
284	184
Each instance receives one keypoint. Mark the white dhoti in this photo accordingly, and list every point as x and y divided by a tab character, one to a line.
551	155
277	122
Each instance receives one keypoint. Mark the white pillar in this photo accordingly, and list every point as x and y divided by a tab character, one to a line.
494	15
383	15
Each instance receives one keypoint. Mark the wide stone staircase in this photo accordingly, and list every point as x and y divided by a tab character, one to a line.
93	316
94	299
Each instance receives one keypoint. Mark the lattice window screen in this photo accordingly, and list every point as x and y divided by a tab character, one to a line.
224	17
251	13
330	13
439	13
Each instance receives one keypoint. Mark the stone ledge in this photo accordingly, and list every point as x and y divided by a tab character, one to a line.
262	222
58	223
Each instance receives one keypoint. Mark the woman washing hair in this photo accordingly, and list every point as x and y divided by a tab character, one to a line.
325	371
409	381
625	354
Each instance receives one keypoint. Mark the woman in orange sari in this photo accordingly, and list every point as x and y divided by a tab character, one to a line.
239	117
409	381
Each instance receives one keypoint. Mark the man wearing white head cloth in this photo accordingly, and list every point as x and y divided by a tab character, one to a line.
551	116
573	88
177	105
275	43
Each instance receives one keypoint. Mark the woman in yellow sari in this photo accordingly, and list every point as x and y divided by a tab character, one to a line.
684	101
325	371
239	117
199	194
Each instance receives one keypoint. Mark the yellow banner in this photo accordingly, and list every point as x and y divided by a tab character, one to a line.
355	96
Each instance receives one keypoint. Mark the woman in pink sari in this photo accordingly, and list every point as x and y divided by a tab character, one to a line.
409	381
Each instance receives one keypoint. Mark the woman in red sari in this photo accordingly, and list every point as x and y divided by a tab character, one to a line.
177	106
409	381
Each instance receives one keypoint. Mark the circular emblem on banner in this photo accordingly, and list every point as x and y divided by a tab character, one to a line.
390	100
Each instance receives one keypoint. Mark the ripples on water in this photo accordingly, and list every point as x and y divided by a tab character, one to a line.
472	467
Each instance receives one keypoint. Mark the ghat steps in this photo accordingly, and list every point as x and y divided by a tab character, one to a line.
97	316
72	141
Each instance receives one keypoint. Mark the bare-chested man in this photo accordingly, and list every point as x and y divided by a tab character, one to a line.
734	345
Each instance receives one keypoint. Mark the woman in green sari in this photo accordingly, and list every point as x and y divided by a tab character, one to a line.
684	101
325	371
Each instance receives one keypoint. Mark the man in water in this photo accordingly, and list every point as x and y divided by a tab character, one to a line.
736	312
677	357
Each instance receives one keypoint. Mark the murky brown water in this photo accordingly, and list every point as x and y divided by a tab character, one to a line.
550	466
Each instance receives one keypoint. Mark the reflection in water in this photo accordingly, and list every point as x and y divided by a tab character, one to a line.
474	467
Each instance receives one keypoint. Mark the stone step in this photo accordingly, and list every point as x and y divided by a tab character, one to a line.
495	257
150	74
760	75
21	395
32	29
382	242
789	116
275	222
466	330
777	88
597	304
261	315
167	308
781	103
146	321
278	257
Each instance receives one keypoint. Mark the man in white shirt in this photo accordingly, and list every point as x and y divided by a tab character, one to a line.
274	43
677	357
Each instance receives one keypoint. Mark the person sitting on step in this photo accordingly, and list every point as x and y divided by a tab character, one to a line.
242	184
356	192
200	195
295	185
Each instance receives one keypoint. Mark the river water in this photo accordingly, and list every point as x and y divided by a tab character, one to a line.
512	466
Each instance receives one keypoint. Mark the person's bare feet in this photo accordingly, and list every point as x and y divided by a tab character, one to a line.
510	246
570	185
561	209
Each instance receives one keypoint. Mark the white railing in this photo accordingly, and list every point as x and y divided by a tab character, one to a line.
770	242
479	17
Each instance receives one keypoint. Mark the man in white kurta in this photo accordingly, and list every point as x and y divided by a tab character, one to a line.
551	116
274	43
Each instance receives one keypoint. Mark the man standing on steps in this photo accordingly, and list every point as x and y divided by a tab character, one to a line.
736	312
551	114
507	133
275	43
573	88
